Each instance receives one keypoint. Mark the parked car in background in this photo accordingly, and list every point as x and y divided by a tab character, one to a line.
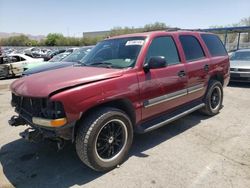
13	64
72	49
60	57
36	52
78	54
1	51
67	61
56	58
48	56
125	84
240	66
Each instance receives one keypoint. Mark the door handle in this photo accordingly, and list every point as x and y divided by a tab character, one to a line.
206	67
182	73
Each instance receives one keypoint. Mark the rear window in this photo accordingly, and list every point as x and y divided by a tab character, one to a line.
214	45
191	47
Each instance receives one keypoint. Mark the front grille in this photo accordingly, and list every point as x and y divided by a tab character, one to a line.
38	107
236	75
240	70
240	79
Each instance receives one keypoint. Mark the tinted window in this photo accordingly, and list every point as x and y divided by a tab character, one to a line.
191	47
214	45
17	58
164	46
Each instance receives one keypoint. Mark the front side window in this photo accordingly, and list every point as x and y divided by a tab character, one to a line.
165	47
191	47
115	53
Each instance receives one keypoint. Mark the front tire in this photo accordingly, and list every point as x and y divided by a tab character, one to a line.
104	138
213	98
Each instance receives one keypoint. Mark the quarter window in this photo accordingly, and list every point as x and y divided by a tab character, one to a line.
164	46
214	45
191	47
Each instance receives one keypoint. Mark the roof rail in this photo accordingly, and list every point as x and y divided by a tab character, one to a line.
192	29
173	29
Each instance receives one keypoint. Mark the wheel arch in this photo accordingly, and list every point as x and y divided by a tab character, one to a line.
217	76
122	104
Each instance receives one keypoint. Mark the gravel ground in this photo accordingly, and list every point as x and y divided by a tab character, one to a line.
195	151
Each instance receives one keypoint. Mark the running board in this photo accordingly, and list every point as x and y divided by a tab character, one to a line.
168	118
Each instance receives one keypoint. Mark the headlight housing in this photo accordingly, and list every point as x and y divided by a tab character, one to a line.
41	111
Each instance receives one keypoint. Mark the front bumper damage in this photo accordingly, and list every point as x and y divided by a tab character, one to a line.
46	119
37	133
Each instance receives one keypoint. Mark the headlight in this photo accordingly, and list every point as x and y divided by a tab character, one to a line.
49	122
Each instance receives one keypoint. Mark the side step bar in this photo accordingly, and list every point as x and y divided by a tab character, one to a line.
155	124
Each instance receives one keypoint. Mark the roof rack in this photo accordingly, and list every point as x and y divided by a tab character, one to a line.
172	29
179	29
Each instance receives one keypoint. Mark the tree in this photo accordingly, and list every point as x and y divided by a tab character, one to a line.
155	26
52	38
148	27
20	40
245	21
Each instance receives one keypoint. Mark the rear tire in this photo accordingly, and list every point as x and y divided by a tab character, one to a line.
104	138
213	98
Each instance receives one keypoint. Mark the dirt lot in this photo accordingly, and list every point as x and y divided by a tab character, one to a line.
194	151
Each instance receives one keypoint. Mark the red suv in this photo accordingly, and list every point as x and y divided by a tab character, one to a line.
126	84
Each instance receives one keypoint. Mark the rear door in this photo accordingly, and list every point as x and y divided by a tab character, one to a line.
197	65
163	88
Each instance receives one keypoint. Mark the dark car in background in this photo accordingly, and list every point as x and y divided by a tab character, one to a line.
60	57
240	66
53	53
70	60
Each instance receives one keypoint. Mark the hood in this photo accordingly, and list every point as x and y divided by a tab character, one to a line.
240	64
47	66
43	84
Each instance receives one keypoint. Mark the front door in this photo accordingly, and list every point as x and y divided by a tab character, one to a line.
164	88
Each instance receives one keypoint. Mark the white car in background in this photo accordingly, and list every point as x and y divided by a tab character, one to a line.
13	64
240	66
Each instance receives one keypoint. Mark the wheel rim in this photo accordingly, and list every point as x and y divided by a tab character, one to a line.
215	98
111	140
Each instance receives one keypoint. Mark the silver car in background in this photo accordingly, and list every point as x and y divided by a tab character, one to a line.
240	66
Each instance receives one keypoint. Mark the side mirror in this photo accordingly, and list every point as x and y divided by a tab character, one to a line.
155	62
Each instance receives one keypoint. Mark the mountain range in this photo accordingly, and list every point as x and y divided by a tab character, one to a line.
34	37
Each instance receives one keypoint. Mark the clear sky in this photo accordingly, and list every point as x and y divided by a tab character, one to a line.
72	17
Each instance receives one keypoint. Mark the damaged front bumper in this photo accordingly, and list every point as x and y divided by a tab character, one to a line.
38	132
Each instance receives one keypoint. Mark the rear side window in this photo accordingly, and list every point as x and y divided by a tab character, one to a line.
164	46
191	47
214	45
